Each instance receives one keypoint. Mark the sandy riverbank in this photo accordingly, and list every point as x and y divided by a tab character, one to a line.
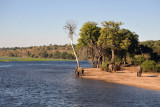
127	76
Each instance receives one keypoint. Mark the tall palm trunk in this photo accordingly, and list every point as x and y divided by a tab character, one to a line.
70	27
75	53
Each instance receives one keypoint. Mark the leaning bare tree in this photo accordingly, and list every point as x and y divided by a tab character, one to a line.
70	27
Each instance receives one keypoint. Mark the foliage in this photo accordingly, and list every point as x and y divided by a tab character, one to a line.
51	51
104	66
139	60
57	55
109	42
89	34
64	55
6	59
44	54
129	42
155	45
115	44
70	56
150	66
110	36
145	49
11	54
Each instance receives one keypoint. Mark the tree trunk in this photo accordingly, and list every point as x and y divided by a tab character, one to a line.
113	56
75	53
121	60
99	62
124	60
93	62
103	58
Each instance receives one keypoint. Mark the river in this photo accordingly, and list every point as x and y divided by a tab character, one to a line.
53	84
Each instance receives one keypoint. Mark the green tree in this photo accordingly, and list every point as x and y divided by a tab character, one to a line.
64	55
43	54
128	43
110	36
33	55
28	53
55	47
70	56
11	54
50	55
89	34
57	55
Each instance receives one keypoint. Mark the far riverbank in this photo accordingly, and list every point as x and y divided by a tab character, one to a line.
7	59
127	76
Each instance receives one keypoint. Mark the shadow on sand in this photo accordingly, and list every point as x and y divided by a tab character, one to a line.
151	76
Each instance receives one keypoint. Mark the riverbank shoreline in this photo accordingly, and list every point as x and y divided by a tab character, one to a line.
126	76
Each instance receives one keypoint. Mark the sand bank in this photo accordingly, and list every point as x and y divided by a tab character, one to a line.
127	76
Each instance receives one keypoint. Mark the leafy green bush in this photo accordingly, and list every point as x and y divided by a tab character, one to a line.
104	66
139	60
150	66
158	67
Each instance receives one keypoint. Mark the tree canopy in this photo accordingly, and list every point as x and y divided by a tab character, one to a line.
89	34
107	41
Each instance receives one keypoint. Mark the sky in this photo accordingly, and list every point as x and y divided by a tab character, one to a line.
25	23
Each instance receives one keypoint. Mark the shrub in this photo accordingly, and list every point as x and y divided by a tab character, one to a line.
158	67
70	56
139	60
150	66
104	66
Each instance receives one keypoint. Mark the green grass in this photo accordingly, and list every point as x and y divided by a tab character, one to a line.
7	59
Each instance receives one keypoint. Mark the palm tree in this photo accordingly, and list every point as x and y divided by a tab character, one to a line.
70	27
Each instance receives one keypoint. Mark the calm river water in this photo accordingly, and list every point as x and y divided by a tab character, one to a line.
53	84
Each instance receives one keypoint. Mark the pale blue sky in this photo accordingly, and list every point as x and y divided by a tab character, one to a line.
26	23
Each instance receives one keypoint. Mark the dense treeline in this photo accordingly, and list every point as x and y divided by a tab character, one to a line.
154	45
110	44
51	51
150	50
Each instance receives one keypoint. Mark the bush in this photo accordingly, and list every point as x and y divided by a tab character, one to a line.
158	67
150	66
104	66
139	60
70	56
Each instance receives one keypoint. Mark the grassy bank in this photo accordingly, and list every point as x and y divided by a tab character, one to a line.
7	59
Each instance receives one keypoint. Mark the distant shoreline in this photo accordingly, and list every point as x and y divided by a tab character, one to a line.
9	59
127	76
